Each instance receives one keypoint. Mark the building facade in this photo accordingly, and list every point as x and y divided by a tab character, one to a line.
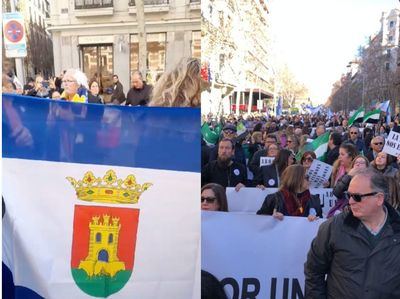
235	48
102	37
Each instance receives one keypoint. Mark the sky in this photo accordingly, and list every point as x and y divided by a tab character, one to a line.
318	38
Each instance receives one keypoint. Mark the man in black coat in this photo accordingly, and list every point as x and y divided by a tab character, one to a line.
377	144
333	147
139	94
118	96
356	254
224	170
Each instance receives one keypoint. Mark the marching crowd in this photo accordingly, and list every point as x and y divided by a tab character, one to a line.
234	159
355	253
179	87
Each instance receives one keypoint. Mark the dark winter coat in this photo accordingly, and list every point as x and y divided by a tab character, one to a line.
276	201
354	269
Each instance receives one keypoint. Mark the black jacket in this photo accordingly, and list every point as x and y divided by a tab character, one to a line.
276	201
139	97
254	163
341	186
268	176
354	270
226	177
332	155
118	95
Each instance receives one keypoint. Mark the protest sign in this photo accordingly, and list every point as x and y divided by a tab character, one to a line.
257	256
319	173
392	144
265	161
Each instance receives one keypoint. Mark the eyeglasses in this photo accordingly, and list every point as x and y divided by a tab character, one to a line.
289	141
357	197
353	133
378	143
229	132
68	81
308	159
208	199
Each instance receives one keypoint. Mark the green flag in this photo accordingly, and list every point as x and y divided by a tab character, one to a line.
357	116
319	146
208	135
372	117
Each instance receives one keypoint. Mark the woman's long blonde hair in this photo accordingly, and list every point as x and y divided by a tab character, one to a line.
179	87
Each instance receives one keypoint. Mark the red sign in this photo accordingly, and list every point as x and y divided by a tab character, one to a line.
14	31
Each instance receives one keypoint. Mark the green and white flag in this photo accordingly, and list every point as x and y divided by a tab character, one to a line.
240	128
357	116
372	117
319	146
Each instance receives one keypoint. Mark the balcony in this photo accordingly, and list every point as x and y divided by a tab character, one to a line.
150	6
88	8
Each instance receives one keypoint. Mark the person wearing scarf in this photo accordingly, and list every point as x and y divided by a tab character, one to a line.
293	197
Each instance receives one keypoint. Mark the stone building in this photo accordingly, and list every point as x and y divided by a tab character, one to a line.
101	37
235	47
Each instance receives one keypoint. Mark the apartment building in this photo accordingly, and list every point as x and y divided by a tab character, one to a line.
103	37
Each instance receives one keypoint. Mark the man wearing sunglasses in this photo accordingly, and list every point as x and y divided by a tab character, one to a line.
356	254
353	138
377	144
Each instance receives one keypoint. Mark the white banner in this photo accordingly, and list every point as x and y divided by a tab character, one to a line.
319	173
257	256
251	199
392	144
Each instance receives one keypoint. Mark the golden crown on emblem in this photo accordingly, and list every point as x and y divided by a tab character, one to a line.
108	189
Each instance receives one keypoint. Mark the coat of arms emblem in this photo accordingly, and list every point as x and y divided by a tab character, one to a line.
104	238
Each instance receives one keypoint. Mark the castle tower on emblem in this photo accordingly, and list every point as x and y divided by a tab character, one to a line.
103	247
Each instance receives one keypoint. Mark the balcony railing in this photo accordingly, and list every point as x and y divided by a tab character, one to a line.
87	4
150	2
194	1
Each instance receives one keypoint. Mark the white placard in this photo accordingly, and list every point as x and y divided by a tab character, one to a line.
392	144
257	256
319	173
265	161
250	200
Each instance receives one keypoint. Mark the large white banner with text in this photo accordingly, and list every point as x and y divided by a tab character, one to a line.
257	256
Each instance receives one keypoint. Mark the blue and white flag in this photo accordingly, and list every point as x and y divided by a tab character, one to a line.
384	106
279	106
100	200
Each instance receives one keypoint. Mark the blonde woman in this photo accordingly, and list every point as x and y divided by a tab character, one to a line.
180	87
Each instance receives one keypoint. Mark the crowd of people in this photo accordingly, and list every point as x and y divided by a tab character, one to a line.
235	160
179	87
355	253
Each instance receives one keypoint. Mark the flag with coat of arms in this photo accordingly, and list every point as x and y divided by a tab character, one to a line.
100	201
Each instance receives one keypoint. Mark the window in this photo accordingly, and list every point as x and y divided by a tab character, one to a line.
156	55
196	44
110	238
85	4
390	38
134	53
387	66
391	24
156	43
98	238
